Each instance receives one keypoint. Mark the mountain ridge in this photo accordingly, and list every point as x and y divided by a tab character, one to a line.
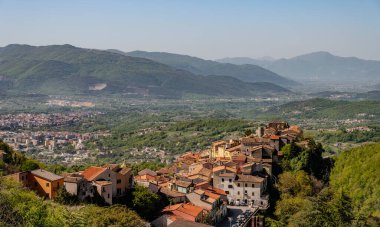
65	69
321	65
199	66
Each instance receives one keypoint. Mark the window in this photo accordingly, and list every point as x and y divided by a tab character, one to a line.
222	179
227	192
118	181
47	185
238	193
22	177
108	195
230	180
246	185
103	189
253	185
238	184
245	192
109	175
119	191
230	186
253	194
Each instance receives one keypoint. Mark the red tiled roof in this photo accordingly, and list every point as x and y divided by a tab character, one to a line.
185	211
92	172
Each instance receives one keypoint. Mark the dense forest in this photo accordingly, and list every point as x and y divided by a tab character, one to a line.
310	194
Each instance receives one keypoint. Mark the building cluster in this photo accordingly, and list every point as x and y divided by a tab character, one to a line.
46	145
30	120
59	102
107	182
234	172
199	185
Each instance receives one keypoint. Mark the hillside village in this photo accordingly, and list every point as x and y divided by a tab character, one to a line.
201	186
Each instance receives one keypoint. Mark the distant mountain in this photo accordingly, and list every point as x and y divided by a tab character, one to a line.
263	62
198	66
323	66
65	69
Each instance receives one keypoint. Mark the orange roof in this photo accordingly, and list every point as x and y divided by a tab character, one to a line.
220	168
92	172
212	195
185	210
216	190
274	137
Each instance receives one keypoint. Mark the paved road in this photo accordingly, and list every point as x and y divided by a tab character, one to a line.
233	211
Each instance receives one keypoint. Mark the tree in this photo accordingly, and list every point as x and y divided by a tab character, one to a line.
248	132
328	208
356	174
64	197
30	164
145	203
295	184
116	215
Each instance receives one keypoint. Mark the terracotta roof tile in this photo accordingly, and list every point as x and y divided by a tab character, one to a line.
92	172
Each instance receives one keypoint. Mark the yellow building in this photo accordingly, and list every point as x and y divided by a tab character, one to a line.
45	183
224	149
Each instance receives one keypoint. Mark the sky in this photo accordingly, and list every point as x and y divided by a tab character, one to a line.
209	29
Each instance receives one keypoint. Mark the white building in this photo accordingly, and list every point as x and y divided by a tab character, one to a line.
241	188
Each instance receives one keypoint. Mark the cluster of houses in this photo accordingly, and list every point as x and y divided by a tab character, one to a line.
109	181
234	172
49	145
29	120
198	185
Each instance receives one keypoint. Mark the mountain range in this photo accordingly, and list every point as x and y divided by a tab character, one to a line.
65	69
198	66
321	66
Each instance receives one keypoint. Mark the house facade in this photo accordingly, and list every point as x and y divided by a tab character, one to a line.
45	183
240	188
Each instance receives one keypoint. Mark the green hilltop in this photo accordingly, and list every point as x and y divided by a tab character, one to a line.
65	69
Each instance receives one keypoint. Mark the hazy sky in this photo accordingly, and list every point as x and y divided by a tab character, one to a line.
204	28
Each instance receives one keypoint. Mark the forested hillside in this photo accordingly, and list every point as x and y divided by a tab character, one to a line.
356	173
68	70
310	196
